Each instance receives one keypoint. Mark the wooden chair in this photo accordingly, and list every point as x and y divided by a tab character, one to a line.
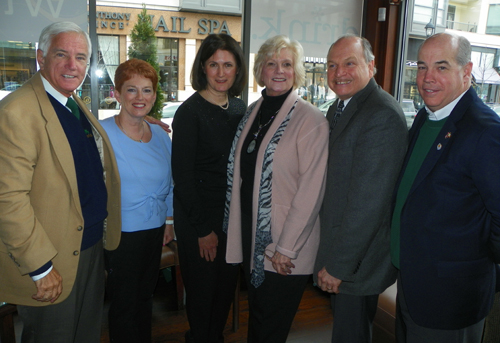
170	258
7	332
492	323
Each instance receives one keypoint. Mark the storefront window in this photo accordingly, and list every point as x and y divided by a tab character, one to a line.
462	19
315	90
486	80
316	25
17	65
168	61
108	59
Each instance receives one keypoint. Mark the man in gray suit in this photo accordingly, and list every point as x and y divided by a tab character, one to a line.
368	141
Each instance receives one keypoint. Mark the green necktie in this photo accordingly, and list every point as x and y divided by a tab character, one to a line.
74	107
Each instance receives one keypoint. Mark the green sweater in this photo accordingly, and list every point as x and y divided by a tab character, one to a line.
426	138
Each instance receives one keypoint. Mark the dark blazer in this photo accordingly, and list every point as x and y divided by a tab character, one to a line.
450	223
366	151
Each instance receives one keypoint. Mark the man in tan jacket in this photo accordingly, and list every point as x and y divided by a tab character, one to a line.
56	208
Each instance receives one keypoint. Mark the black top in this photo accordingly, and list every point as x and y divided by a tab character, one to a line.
202	137
269	108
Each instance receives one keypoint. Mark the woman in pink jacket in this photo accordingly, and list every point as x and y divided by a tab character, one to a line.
276	176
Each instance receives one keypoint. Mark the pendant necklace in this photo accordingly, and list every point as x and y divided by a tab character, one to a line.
208	96
226	105
253	143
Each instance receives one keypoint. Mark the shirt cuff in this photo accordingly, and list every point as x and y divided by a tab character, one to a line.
42	271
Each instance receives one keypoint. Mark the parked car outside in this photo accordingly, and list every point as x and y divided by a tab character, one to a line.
8	89
495	107
169	109
11	87
326	105
409	110
3	94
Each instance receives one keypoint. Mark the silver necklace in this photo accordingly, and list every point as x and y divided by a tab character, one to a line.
253	143
226	105
125	132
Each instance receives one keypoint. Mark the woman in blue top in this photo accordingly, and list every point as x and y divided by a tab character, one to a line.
143	155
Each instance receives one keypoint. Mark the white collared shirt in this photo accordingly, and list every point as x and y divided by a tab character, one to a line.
346	102
445	111
52	91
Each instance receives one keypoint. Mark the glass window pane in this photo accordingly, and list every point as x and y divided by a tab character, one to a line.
168	52
493	24
427	3
422	14
108	59
17	65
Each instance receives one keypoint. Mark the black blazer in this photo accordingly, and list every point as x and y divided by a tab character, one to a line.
450	223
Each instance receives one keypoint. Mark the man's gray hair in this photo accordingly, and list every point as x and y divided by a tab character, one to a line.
49	32
365	44
464	49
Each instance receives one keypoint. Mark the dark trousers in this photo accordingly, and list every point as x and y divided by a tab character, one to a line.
273	305
210	288
407	331
132	275
78	318
353	317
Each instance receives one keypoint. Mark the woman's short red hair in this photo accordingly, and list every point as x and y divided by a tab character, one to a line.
128	69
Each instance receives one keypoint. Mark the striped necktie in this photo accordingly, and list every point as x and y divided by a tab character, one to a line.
71	104
338	112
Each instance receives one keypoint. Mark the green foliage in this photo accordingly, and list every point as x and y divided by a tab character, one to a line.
144	47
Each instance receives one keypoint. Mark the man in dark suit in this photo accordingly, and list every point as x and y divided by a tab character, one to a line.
368	142
59	196
446	223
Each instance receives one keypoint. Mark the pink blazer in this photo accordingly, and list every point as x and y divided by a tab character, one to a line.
299	172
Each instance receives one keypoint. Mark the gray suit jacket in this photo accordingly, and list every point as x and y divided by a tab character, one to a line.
366	151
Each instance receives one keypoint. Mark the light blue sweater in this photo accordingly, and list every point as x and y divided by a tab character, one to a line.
146	177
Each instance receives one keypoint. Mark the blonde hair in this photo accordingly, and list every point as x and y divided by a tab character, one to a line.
272	47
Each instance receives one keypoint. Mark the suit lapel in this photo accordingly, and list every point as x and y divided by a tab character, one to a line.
349	111
345	118
443	140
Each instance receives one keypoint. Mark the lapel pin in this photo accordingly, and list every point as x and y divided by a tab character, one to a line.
439	146
448	135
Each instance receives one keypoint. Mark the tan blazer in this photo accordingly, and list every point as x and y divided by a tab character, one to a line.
299	173
40	212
